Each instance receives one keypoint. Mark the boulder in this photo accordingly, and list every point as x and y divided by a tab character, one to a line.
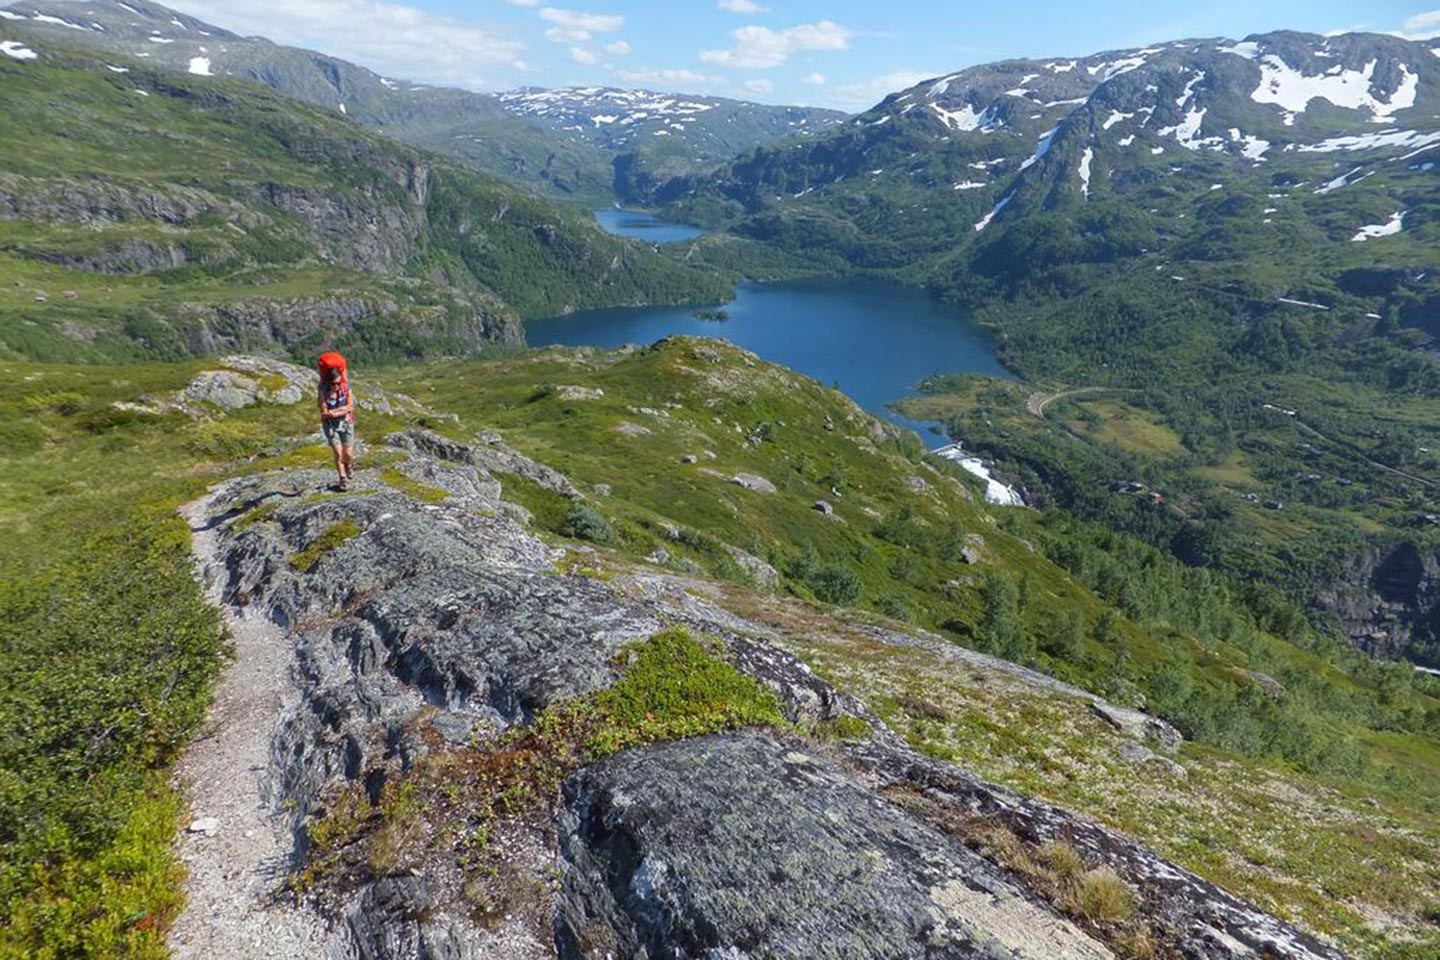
1138	726
762	573
752	482
629	429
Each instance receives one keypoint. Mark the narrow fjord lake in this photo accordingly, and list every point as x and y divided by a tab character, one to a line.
875	340
644	226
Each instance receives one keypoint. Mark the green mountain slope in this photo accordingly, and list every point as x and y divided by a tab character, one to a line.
554	142
1223	228
1308	786
146	213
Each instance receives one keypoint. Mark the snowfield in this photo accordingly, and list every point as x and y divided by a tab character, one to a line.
1292	90
16	50
200	66
1387	229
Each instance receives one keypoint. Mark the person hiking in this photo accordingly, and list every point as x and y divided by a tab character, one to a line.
337	416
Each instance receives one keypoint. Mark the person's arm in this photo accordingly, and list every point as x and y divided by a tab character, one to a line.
349	407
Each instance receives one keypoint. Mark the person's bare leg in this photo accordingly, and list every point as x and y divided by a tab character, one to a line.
347	458
339	453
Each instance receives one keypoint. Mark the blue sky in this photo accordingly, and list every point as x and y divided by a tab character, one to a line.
837	53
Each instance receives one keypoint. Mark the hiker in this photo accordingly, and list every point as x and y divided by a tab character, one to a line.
337	415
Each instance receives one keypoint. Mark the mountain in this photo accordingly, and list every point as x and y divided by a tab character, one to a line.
149	213
526	136
1223	229
655	136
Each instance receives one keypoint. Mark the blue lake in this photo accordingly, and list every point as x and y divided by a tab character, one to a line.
643	226
874	340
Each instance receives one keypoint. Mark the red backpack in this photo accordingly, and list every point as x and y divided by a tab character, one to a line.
331	361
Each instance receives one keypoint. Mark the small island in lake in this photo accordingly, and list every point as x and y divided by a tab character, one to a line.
718	316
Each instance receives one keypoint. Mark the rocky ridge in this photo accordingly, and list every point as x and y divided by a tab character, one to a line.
436	622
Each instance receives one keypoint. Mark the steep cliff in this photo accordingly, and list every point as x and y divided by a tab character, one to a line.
1386	599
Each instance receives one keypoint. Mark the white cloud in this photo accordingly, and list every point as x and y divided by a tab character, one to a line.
759	48
759	86
863	95
390	38
571	26
688	79
1428	20
816	79
581	55
563	35
742	6
618	49
1422	26
523	3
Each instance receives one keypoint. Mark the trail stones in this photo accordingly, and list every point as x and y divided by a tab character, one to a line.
207	826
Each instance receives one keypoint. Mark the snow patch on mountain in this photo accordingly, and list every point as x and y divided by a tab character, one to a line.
622	105
1248	49
1330	186
200	66
1041	148
985	220
1251	148
1114	68
1293	90
1373	141
1189	90
966	119
17	51
970	185
1387	229
59	22
1115	117
1085	160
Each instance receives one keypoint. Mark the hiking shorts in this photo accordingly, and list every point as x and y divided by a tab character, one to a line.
341	431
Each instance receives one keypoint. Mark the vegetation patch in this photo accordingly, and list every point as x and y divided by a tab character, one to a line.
413	489
672	686
330	538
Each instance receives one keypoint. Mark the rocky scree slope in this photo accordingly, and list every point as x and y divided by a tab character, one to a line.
421	620
144	212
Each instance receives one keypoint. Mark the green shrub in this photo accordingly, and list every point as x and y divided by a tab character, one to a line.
837	584
584	522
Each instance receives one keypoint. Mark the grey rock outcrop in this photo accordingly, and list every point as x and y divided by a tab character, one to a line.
451	617
662	847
